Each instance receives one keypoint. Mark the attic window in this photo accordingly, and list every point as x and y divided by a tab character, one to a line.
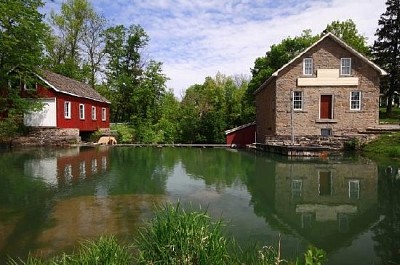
345	66
307	66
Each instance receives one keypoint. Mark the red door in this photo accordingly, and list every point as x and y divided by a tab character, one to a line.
326	107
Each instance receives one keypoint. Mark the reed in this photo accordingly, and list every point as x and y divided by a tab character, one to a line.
175	236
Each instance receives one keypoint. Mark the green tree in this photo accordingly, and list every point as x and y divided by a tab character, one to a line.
22	35
124	68
347	31
386	49
74	49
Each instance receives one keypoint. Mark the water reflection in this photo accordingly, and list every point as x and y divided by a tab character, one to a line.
69	166
51	199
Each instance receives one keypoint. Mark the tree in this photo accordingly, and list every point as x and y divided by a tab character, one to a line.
75	49
386	49
124	68
22	35
347	31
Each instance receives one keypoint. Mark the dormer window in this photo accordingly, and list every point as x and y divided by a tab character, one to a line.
345	66
307	66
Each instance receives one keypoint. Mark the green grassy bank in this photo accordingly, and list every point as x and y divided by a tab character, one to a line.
176	236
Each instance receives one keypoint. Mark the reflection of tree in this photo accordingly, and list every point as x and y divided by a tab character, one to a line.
387	231
23	202
217	167
141	170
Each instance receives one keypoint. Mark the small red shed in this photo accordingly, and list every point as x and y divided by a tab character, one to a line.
242	135
68	103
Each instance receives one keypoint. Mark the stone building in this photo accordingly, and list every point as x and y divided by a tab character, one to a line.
329	89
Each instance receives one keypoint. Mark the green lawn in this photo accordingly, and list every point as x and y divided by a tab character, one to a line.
394	117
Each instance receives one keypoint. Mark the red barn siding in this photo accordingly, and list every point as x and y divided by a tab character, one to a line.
242	136
88	124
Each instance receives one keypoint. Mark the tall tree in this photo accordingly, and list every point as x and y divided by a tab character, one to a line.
22	35
124	68
386	49
347	31
77	38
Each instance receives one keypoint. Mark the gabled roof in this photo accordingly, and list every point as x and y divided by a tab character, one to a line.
70	86
338	41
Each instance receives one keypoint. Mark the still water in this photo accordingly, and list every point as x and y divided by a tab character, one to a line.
51	200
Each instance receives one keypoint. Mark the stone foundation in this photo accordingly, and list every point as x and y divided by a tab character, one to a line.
48	137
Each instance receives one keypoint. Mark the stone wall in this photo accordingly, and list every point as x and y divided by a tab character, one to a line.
48	137
326	55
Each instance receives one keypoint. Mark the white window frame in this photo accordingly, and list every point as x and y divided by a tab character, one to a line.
308	66
297	101
103	114
94	115
345	66
354	189
356	102
81	111
67	109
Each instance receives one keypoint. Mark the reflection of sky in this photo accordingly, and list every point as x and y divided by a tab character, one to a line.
232	204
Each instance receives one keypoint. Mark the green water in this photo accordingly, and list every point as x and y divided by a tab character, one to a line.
50	200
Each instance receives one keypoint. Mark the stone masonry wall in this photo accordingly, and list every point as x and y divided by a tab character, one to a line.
48	137
326	55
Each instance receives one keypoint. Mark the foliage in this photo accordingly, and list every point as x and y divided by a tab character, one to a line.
105	250
74	48
209	109
179	237
125	133
347	31
22	34
386	49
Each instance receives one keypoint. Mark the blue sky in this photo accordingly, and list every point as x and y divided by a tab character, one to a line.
196	39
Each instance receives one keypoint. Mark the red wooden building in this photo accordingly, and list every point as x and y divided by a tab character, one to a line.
242	135
68	104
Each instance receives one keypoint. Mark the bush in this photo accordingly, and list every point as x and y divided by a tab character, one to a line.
126	133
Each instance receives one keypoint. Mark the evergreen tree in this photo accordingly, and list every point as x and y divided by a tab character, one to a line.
386	49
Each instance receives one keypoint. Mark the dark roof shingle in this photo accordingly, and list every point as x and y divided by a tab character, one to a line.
70	86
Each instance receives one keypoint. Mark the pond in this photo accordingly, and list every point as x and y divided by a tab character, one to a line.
53	199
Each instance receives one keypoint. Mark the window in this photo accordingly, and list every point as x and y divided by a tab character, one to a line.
345	66
94	113
297	100
307	66
297	185
355	100
326	132
81	111
67	110
103	114
354	189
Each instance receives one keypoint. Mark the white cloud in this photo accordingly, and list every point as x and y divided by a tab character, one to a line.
195	39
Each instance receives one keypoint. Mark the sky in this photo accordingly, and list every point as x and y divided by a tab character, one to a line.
199	38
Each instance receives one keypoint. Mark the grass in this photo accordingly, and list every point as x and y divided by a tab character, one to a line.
386	146
393	118
176	236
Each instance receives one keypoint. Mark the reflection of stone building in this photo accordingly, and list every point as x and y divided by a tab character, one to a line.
69	166
326	203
